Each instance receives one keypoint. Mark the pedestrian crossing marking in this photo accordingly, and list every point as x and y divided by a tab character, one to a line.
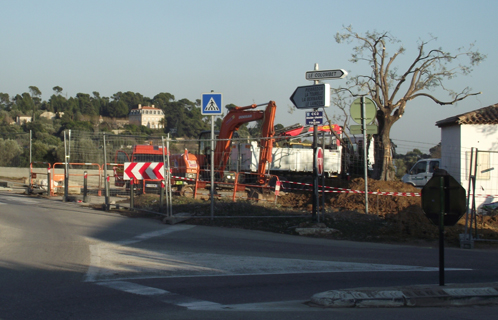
212	106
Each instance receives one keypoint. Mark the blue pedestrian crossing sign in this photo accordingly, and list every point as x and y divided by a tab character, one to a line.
212	103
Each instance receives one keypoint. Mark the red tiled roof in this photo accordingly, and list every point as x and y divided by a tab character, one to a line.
486	115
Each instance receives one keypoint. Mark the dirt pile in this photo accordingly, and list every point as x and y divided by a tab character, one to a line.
394	213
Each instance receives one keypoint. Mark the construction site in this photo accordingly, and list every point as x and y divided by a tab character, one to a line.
263	183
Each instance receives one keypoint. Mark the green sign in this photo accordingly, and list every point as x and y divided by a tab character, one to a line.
370	110
371	129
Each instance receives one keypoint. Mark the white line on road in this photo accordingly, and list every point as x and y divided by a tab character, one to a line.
111	264
160	294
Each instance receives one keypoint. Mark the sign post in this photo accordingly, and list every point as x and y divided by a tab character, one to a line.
444	203
363	111
212	105
314	97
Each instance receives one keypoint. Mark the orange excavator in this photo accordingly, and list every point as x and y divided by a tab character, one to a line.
188	165
232	122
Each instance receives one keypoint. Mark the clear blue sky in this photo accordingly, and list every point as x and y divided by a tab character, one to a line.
251	51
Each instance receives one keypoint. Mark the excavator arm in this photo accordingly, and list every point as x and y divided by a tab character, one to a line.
231	123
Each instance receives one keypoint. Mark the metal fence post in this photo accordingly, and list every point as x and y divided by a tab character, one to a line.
107	202
49	183
161	195
132	194
30	186
85	187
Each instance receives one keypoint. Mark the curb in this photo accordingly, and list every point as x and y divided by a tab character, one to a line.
410	296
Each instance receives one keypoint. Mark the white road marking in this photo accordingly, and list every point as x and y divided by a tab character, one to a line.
133	288
160	294
113	263
120	262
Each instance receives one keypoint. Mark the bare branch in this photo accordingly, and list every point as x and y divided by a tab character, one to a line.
442	103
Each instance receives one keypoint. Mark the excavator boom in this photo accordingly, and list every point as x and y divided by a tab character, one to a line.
231	123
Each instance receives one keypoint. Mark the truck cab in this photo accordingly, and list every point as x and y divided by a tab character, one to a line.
421	172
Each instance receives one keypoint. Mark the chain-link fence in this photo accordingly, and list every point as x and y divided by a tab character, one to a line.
238	165
481	177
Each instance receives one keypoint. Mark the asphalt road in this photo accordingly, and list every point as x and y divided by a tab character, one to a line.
63	261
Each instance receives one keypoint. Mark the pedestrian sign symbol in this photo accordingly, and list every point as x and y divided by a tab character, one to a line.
212	106
211	103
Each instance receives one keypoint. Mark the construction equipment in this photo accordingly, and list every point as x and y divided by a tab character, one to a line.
230	124
183	165
291	156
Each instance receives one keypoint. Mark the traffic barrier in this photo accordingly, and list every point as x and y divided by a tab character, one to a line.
76	178
35	174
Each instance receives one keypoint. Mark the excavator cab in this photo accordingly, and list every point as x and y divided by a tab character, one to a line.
204	155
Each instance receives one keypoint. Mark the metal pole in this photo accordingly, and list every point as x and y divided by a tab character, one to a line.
85	187
323	175
466	232
473	215
163	191
441	231
212	167
168	183
132	194
66	180
106	185
49	183
107	196
365	164
315	204
166	168
30	187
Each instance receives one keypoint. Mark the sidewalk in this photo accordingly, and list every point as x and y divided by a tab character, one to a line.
410	296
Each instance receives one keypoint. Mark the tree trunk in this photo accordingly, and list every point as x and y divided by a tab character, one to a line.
383	166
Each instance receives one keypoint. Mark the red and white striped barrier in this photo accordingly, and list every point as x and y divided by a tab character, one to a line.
342	190
329	189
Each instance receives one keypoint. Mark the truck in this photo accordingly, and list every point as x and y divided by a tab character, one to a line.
291	158
421	172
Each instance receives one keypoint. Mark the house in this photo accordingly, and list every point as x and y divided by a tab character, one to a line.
51	115
472	138
23	119
147	116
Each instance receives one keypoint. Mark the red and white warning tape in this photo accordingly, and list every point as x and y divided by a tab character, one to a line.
329	189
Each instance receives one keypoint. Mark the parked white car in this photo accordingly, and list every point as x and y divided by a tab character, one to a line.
421	172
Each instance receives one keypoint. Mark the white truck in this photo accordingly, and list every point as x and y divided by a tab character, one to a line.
421	172
296	159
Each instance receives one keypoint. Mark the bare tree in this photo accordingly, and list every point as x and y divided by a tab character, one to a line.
392	90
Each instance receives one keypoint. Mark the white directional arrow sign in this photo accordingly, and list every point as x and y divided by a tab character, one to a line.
315	96
326	74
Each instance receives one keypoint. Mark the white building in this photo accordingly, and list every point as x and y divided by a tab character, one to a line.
472	133
147	116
